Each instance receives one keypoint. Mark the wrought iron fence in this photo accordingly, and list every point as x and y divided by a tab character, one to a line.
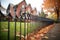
25	25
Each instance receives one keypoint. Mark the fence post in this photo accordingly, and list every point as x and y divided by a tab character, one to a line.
20	24
20	28
24	14
15	29
8	29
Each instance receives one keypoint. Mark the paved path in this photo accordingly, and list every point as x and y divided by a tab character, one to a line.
54	33
38	35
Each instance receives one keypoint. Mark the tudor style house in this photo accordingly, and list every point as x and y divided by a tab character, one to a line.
21	10
21	7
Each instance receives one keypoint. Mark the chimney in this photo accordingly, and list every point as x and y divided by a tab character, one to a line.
23	0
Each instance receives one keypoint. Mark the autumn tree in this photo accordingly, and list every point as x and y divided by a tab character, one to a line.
52	4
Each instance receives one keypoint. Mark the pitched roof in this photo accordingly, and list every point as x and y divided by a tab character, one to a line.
29	8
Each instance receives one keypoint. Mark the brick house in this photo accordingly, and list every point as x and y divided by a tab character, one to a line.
15	11
10	12
34	11
21	6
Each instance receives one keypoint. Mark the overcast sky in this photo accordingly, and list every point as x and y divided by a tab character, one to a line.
34	3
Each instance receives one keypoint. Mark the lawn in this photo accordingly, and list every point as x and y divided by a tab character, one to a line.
19	26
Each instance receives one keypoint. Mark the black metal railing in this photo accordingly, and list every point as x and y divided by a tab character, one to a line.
33	22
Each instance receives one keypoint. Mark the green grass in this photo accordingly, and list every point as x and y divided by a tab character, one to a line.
4	25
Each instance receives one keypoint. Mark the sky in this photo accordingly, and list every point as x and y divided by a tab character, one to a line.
34	3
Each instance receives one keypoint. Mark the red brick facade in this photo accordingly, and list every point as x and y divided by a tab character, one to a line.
19	8
12	10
